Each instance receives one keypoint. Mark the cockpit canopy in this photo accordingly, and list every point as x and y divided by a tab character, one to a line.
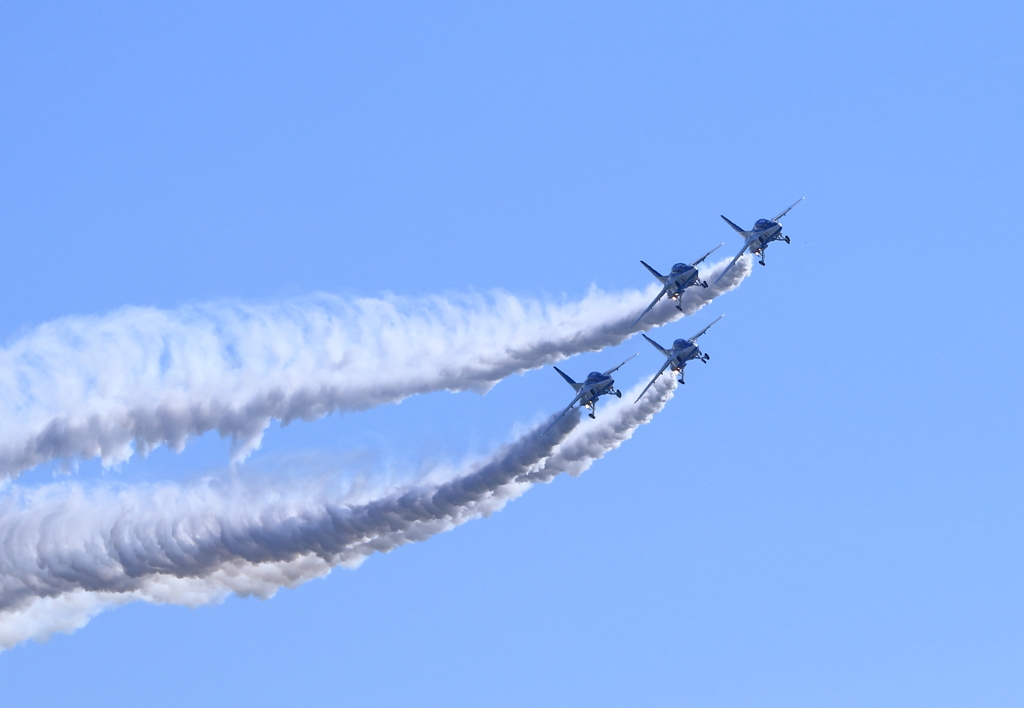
764	224
680	343
679	267
595	376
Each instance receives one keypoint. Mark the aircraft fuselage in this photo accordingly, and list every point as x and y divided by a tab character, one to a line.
596	385
764	232
683	351
680	280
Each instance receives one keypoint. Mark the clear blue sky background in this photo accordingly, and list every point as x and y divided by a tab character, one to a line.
828	514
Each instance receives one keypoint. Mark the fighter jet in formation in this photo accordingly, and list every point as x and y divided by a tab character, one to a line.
757	239
597	384
683	275
682	351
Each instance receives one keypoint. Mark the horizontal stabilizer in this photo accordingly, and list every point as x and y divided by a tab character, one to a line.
575	386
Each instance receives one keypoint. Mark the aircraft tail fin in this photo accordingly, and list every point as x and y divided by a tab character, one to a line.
655	344
575	386
741	232
655	273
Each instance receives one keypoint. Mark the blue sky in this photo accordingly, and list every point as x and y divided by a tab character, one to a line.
828	513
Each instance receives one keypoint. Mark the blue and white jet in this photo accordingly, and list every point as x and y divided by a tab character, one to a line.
757	239
682	351
683	275
597	384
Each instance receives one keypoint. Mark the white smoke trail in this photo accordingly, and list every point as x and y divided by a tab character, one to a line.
106	387
67	554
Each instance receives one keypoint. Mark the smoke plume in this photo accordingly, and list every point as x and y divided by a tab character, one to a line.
138	378
69	552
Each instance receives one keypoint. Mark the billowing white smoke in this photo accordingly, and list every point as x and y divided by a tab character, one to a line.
138	378
69	553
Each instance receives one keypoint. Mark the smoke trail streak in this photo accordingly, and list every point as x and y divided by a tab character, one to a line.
68	553
138	378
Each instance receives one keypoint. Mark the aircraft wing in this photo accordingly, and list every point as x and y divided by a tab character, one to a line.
660	372
787	210
729	267
655	273
610	371
695	337
562	414
650	307
743	233
708	253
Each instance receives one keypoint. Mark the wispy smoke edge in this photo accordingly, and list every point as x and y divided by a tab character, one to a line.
107	387
69	553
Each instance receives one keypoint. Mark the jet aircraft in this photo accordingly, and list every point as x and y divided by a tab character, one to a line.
683	275
757	239
682	351
597	384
